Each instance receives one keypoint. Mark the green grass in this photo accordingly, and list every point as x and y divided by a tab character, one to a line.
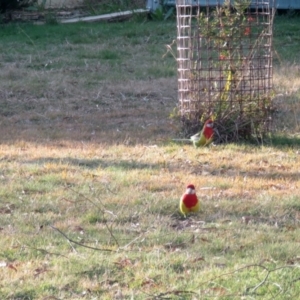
90	180
40	49
287	31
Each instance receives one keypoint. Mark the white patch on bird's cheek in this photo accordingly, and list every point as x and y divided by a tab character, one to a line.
190	191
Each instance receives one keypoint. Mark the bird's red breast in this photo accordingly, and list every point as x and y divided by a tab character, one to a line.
208	130
189	200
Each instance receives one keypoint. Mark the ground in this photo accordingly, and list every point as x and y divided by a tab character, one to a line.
91	179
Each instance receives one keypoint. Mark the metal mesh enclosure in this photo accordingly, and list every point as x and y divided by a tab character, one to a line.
225	66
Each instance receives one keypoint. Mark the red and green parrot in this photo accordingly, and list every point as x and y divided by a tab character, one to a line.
204	137
189	201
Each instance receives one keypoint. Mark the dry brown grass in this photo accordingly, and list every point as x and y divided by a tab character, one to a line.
287	83
108	115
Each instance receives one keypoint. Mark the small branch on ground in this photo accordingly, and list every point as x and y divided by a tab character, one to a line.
44	251
80	244
101	210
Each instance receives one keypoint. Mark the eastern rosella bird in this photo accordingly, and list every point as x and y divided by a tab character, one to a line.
205	136
189	201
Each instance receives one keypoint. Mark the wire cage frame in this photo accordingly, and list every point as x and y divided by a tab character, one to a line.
224	58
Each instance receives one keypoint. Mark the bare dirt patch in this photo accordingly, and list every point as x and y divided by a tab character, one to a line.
135	111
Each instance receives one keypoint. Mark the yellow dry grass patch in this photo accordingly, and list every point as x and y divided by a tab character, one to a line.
217	172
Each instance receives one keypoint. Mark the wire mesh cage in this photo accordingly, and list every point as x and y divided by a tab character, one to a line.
224	55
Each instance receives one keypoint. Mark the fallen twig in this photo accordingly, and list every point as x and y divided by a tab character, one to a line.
46	252
102	210
79	244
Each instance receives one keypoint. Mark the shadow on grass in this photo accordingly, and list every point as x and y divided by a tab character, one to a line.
267	175
278	141
281	142
259	172
96	163
124	165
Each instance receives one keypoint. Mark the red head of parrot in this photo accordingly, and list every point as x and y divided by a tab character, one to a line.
208	130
